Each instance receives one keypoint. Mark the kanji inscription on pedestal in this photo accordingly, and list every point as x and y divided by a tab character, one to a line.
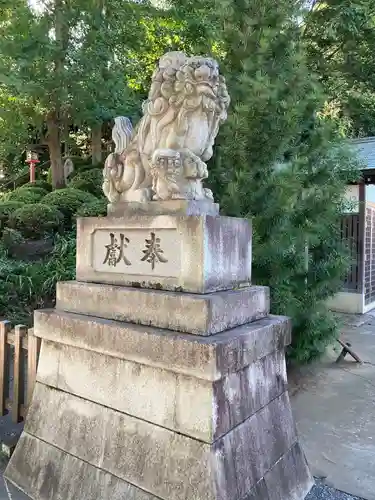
136	251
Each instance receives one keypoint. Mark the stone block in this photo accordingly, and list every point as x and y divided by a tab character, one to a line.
191	406
208	358
168	207
192	313
289	478
166	464
191	254
45	473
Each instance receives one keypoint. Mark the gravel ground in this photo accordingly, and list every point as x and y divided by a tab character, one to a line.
324	492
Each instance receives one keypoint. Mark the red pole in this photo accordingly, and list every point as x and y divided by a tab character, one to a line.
32	172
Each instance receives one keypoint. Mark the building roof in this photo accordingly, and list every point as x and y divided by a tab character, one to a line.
365	149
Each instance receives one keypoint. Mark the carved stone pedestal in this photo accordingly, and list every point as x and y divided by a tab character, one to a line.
161	375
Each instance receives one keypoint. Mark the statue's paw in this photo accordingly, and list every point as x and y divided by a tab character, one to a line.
137	195
202	170
208	194
143	195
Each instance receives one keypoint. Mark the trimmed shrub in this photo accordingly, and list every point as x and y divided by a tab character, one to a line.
39	184
11	238
68	201
25	195
84	164
36	189
82	185
6	210
96	208
89	180
36	220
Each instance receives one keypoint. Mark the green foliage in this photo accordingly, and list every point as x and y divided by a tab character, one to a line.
68	201
26	195
96	208
278	163
36	220
74	78
26	286
34	189
89	180
39	184
6	210
340	38
49	176
11	237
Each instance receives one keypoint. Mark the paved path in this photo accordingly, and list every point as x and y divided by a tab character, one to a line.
8	431
334	408
323	492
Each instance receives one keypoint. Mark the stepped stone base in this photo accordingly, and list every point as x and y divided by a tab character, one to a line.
174	389
183	312
133	410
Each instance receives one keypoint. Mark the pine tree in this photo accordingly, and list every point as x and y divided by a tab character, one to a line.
279	163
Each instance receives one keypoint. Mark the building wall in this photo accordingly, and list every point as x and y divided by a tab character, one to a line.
370	194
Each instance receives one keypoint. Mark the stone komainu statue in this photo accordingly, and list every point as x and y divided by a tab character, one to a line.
164	158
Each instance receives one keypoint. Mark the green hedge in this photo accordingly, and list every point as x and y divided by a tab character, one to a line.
68	201
6	210
39	184
36	220
96	208
35	189
26	195
89	180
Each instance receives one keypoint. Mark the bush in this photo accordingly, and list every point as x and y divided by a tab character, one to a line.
82	185
96	208
36	220
39	184
37	189
68	201
89	180
6	210
11	237
26	286
84	164
26	195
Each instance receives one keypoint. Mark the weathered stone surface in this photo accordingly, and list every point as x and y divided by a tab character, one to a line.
191	254
45	473
289	478
241	394
192	313
189	405
165	156
166	464
170	207
259	492
209	358
259	442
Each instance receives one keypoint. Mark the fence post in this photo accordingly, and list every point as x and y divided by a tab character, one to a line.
32	364
5	328
18	379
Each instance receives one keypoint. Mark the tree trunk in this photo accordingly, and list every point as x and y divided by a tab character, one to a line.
54	116
54	146
96	143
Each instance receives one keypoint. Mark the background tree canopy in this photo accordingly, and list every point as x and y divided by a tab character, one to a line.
340	40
